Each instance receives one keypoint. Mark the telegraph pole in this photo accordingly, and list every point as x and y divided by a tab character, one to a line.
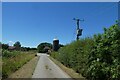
79	31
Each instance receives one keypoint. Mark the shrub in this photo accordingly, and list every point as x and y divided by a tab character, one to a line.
104	59
75	55
95	58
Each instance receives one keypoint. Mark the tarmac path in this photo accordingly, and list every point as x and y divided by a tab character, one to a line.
48	69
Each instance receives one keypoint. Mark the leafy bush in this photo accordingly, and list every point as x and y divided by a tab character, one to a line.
75	55
104	59
8	54
94	58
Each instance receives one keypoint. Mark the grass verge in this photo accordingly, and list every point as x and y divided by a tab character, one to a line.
69	71
0	67
11	64
27	70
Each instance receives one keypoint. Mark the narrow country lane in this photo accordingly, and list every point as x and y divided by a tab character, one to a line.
48	69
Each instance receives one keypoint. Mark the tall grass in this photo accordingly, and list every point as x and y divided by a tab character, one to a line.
0	67
12	61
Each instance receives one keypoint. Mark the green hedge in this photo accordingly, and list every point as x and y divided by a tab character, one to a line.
94	58
104	58
75	55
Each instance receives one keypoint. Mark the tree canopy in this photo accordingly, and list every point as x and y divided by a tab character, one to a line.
17	45
5	46
41	47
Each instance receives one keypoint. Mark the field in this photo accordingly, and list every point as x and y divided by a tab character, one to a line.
0	67
13	60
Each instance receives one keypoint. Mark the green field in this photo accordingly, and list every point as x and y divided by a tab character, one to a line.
0	67
13	60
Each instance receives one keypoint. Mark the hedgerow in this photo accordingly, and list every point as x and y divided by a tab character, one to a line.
104	58
95	58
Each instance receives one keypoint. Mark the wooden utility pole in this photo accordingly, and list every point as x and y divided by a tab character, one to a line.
79	31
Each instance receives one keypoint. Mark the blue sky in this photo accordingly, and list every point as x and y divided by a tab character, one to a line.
34	22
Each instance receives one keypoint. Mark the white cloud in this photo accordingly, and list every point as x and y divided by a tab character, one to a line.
11	43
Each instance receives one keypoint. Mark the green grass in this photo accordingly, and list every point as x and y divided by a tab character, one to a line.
0	67
14	61
69	71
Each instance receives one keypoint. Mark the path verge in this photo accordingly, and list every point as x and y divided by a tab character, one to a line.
26	71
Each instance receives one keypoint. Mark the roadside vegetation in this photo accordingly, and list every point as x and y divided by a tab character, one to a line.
14	57
27	70
0	67
69	71
12	61
96	57
0	61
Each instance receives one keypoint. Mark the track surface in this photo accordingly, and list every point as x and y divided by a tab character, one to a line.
48	69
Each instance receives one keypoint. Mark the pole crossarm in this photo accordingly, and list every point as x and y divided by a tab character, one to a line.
79	31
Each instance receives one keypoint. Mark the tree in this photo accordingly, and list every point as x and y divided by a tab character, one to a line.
5	46
61	45
41	46
33	48
0	45
17	45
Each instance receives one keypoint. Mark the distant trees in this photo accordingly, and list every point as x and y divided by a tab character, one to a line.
43	46
33	48
27	48
0	45
17	45
4	46
61	45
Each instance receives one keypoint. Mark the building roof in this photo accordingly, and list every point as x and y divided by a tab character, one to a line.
11	47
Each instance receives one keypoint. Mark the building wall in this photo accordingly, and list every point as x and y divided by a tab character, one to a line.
55	45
